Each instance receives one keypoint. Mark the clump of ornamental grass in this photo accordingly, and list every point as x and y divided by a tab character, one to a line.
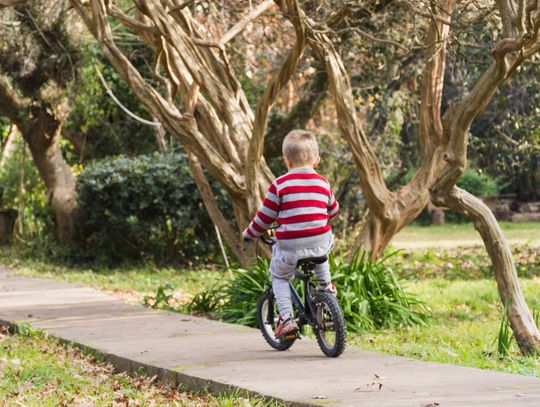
370	294
239	295
373	297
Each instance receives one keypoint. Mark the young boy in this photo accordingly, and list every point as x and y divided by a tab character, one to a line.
302	203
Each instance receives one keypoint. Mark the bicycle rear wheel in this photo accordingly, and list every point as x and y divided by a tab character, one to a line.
331	332
268	320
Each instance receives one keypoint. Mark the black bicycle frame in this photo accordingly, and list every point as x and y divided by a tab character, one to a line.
305	309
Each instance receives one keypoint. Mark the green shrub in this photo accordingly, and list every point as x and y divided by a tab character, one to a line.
370	295
35	217
144	207
478	183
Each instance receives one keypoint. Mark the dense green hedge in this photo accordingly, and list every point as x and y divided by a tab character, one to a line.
144	207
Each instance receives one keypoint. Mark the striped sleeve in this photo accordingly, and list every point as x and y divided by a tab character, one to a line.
267	214
333	206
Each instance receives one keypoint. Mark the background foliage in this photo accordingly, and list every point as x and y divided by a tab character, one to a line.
144	207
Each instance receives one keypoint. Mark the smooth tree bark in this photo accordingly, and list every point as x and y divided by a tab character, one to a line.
200	101
10	3
37	105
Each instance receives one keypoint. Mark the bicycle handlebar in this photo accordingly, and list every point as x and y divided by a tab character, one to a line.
269	241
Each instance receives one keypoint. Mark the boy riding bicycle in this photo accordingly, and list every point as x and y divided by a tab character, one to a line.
302	203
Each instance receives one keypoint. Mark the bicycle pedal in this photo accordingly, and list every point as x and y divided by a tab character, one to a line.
290	337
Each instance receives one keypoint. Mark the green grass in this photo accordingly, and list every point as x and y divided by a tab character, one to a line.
463	234
36	370
135	280
464	328
461	262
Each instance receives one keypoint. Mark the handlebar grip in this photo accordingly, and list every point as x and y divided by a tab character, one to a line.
267	240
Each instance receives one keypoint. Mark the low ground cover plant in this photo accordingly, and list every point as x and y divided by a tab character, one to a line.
370	293
461	263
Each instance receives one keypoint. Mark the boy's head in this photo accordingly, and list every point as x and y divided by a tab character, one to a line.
300	149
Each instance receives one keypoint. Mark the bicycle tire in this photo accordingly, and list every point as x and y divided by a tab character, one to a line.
332	307
268	327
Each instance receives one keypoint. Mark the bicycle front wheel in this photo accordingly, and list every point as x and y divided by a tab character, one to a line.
268	320
330	331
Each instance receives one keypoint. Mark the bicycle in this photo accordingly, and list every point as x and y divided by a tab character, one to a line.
320	309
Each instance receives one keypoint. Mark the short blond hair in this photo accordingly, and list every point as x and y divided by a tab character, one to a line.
300	147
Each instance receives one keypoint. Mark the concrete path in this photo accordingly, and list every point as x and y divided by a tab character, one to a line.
201	353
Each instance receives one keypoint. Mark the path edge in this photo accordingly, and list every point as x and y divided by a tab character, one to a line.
179	380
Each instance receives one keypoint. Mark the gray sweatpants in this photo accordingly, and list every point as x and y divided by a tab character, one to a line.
283	266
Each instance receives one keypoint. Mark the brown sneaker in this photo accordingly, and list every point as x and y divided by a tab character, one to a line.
287	327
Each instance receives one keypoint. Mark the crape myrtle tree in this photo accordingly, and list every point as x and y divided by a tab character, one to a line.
37	62
202	103
444	138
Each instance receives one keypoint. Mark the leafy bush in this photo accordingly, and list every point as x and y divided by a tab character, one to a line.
35	217
370	295
144	207
478	183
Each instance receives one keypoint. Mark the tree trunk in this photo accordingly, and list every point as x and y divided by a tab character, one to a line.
214	122
520	317
444	140
43	139
34	79
210	203
378	231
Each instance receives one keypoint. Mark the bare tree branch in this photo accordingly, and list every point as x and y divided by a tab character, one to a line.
376	39
133	23
182	5
244	22
370	174
9	3
280	78
210	203
507	12
523	326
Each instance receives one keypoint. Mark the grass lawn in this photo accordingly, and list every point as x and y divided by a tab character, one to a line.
464	328
130	283
453	235
36	370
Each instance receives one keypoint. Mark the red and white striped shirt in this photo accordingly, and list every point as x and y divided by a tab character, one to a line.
302	203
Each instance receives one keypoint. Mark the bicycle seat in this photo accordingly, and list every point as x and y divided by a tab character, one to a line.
311	260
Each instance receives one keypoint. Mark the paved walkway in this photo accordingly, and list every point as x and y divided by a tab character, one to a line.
202	353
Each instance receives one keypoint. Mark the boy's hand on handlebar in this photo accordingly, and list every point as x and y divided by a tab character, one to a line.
246	238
